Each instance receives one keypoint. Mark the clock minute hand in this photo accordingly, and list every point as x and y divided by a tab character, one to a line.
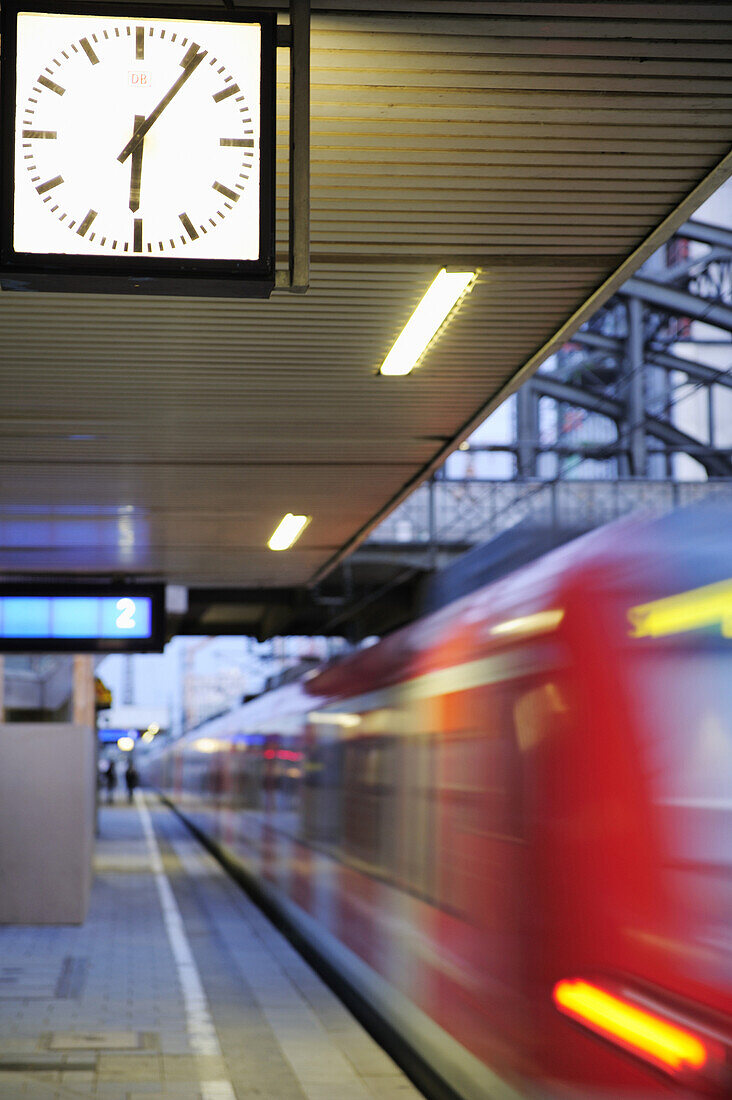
155	114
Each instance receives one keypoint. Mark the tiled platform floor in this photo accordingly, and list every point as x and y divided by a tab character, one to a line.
175	987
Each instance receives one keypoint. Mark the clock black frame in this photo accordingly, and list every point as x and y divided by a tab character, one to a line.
124	273
154	591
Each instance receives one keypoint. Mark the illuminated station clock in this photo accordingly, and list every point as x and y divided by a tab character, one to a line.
137	149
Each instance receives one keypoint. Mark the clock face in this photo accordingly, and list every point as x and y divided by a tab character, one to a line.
137	137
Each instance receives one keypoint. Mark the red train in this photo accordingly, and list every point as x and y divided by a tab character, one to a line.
510	823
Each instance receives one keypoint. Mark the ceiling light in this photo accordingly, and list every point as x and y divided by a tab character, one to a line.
288	531
447	288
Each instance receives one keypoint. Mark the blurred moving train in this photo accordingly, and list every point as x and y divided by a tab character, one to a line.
510	823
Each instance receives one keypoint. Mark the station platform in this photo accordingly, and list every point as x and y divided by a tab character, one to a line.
175	986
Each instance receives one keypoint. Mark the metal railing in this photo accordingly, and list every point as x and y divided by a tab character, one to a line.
473	511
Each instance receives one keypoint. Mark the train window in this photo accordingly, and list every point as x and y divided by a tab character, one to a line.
415	857
251	777
682	705
480	798
322	793
368	833
684	702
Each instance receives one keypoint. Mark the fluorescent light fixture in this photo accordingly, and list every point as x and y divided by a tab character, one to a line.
447	288
288	532
126	744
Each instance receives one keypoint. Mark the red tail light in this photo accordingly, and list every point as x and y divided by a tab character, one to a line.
646	1029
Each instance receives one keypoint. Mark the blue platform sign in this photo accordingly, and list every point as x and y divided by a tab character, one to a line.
81	619
112	736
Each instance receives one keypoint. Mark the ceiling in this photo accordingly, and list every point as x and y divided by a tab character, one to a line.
553	146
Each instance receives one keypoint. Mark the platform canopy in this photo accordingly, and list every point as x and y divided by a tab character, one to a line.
552	146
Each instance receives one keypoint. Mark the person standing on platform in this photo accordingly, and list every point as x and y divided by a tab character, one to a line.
132	779
111	778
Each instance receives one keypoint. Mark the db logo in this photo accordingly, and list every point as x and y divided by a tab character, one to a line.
140	79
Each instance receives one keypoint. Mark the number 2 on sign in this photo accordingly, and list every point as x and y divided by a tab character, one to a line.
126	620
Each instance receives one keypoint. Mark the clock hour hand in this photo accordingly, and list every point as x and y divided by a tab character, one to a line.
188	69
136	169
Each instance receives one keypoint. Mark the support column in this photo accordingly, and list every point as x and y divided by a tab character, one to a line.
2	688
636	389
432	523
84	713
527	429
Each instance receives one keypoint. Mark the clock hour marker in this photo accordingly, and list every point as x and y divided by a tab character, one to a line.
39	133
91	215
240	143
139	43
43	187
86	47
50	85
222	189
188	226
225	92
137	238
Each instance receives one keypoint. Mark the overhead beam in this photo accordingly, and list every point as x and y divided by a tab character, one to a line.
679	301
707	234
690	268
715	465
700	372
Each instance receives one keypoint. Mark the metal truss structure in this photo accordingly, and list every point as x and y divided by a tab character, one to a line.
598	434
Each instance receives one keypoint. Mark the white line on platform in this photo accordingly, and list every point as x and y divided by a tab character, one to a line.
201	1031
